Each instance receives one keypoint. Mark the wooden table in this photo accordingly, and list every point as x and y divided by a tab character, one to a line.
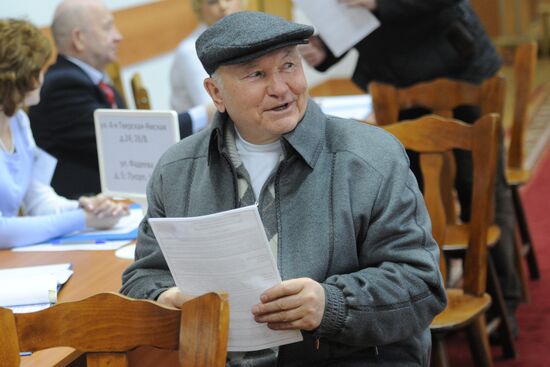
94	272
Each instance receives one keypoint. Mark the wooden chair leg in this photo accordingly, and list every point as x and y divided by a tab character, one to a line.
525	234
521	269
505	331
439	351
479	342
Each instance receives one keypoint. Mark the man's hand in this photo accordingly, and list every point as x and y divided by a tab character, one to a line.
369	4
172	297
293	304
314	52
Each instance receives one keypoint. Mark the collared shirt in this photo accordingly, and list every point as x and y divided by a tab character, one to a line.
95	75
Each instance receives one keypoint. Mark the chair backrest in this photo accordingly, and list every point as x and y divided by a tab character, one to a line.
141	96
113	70
440	96
107	325
525	63
432	137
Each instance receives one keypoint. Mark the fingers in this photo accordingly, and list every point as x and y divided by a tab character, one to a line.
314	52
293	304
173	297
369	4
102	207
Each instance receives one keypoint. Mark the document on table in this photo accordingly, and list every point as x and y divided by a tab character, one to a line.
32	288
358	107
225	252
340	26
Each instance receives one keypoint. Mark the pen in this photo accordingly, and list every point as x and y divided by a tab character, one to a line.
77	242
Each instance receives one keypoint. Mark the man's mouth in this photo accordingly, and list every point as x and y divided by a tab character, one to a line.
281	107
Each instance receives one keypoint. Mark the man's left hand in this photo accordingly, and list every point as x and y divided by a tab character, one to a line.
293	304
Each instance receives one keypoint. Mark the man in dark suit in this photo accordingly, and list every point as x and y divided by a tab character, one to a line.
74	87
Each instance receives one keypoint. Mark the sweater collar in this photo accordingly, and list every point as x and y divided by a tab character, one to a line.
307	139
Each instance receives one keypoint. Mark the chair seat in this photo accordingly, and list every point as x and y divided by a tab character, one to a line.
517	176
461	309
456	236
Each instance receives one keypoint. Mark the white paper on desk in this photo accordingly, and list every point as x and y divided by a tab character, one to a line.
340	26
358	107
225	252
31	288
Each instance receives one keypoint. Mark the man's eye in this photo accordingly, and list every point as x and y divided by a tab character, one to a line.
255	74
288	65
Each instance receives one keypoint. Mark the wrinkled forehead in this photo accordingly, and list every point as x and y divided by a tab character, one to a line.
288	52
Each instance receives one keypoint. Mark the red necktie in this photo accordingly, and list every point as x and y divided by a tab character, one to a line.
109	93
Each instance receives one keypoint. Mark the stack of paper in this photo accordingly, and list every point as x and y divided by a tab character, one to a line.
32	288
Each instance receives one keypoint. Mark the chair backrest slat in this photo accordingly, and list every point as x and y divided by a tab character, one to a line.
432	137
108	323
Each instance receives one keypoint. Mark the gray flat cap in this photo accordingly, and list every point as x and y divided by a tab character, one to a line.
245	36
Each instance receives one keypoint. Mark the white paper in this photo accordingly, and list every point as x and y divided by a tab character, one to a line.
358	107
340	26
31	288
225	252
44	166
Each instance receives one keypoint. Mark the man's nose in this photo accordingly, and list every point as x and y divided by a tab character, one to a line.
117	36
277	85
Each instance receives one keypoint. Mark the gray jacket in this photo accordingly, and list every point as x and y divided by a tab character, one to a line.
350	217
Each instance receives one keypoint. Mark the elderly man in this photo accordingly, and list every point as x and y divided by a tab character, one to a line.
87	39
341	208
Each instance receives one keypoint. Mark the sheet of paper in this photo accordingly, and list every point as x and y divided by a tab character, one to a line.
225	252
27	289
358	107
340	26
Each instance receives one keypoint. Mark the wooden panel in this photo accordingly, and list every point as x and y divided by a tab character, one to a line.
282	8
153	29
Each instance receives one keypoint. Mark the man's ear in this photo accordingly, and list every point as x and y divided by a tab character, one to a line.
215	93
77	39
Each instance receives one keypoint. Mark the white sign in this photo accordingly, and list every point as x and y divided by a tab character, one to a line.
129	144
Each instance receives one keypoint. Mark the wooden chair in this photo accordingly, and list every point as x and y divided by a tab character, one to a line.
442	96
432	136
113	70
108	325
525	59
141	96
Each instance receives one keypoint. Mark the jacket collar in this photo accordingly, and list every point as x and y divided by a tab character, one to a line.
307	139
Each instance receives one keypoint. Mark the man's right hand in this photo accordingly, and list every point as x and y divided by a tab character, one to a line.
314	52
172	297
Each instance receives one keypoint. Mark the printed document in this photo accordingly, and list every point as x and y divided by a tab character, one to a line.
32	288
225	252
340	26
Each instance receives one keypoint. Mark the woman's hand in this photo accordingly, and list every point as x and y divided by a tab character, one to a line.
101	206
